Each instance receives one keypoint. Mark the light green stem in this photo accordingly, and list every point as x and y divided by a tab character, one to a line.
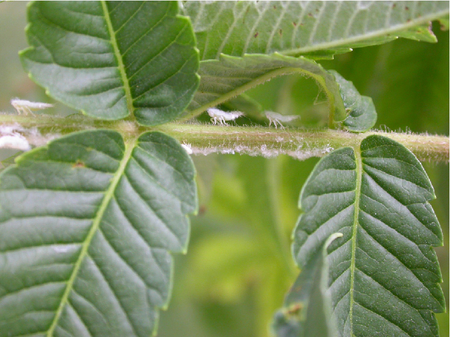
207	138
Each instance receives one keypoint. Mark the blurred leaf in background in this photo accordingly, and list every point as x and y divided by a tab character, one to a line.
14	81
239	264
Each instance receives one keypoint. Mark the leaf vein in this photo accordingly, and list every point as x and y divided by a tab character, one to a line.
396	258
78	315
115	296
131	17
146	32
155	213
18	291
137	71
135	272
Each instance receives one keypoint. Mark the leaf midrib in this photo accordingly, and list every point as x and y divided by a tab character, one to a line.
342	43
121	66
109	195
359	170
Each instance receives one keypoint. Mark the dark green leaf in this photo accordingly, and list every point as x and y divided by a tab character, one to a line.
113	59
362	115
383	272
307	307
86	226
317	28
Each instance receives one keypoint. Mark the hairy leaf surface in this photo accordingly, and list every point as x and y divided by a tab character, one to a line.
307	309
86	226
383	272
113	59
229	76
317	28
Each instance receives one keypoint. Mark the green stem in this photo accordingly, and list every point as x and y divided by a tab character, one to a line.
207	138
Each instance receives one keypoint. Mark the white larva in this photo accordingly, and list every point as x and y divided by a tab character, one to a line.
17	142
26	107
219	116
275	118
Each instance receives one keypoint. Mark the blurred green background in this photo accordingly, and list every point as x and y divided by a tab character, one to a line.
239	266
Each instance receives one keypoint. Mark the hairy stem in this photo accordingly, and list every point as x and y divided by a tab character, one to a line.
205	138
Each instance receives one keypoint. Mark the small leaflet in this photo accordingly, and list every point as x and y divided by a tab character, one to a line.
361	113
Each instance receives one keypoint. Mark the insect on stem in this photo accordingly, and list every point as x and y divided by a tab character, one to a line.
277	118
26	107
219	116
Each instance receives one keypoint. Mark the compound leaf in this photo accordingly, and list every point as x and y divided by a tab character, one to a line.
86	226
113	59
318	29
384	273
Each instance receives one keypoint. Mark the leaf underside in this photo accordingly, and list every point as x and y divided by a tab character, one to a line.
314	28
230	76
308	302
86	226
116	58
383	269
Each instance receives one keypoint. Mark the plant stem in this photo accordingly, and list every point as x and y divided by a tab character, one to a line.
205	138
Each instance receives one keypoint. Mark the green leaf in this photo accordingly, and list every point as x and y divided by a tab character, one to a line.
317	28
307	307
116	58
419	33
362	115
86	226
383	272
230	76
444	22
